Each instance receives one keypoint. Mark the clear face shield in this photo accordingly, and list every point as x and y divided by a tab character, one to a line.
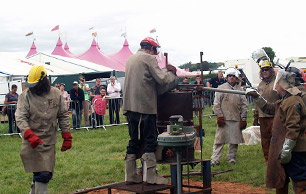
281	74
259	55
157	51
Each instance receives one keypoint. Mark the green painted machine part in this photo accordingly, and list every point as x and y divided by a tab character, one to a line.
177	138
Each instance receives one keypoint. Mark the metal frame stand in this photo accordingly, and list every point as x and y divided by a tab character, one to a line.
176	174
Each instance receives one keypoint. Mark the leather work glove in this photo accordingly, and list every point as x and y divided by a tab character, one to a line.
171	68
243	125
255	121
32	138
67	144
220	121
285	155
252	92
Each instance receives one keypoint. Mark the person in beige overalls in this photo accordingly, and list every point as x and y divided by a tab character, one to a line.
231	110
39	108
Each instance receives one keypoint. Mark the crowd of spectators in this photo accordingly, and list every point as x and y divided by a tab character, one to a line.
83	100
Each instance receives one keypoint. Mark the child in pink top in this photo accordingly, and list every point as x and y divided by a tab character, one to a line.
100	104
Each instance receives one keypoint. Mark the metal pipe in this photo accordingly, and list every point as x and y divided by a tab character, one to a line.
200	173
202	68
82	191
225	90
201	110
166	56
200	88
179	172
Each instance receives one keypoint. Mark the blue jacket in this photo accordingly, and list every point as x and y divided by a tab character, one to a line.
77	97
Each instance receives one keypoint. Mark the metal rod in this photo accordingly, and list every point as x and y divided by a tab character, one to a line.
166	56
82	191
197	87
202	68
179	172
225	90
200	173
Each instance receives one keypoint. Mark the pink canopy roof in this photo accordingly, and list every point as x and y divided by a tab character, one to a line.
123	54
94	55
58	50
32	51
66	48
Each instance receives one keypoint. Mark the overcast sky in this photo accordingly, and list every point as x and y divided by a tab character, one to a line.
222	29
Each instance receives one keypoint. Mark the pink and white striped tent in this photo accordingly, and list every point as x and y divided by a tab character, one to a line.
32	50
94	55
123	54
58	50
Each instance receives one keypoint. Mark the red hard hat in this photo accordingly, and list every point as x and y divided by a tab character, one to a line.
151	41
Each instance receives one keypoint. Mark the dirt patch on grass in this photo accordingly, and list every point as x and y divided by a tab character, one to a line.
217	188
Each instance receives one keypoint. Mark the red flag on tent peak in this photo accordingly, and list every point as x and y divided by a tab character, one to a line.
29	34
153	30
55	28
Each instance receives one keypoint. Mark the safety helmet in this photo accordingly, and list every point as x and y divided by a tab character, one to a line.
151	41
261	58
232	71
264	63
37	73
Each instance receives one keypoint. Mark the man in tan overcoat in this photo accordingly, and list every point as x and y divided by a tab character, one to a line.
39	108
231	111
144	80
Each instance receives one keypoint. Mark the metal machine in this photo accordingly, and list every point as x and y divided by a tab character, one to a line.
177	138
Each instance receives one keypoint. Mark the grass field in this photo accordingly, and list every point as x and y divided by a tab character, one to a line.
97	158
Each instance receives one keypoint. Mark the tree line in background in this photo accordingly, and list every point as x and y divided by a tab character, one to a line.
207	66
197	66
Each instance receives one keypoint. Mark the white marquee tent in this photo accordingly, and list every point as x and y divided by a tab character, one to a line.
70	65
12	65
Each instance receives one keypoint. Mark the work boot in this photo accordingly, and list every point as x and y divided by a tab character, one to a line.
232	161
32	191
214	163
283	190
41	188
149	170
300	187
130	169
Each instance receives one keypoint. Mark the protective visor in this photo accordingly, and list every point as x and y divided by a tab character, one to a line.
157	51
281	74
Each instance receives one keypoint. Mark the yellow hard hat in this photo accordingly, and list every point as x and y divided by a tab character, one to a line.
264	63
37	73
